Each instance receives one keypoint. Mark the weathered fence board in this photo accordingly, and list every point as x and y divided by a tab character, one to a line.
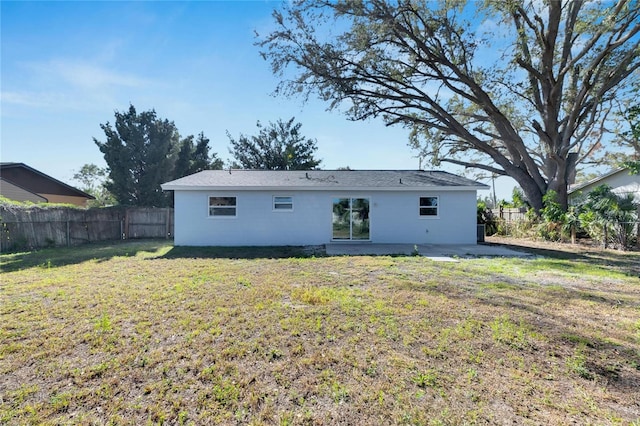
510	215
34	227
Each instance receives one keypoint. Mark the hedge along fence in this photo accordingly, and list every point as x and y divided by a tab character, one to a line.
24	228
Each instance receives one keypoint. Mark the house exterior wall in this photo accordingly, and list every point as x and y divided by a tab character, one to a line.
394	218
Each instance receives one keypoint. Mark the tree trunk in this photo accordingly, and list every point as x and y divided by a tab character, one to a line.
561	190
533	193
638	228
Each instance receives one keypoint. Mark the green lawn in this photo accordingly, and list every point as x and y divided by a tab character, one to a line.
144	333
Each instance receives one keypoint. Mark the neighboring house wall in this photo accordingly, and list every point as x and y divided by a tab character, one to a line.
394	218
14	192
66	199
621	183
36	182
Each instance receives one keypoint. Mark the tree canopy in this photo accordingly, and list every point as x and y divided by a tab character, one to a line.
631	138
278	146
194	157
517	87
92	181
142	151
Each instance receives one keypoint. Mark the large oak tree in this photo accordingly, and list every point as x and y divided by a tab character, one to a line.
513	87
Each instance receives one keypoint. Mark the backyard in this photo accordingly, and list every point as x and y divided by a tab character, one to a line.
144	333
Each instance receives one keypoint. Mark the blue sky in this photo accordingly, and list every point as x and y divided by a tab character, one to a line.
67	66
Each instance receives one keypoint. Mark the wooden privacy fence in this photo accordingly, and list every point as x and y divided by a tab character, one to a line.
510	215
35	227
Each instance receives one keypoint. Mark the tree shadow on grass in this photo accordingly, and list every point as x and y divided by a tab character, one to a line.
61	256
267	252
611	354
625	262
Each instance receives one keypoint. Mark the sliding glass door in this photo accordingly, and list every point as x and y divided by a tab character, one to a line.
351	219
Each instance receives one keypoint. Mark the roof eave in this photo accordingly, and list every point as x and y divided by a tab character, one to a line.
322	188
584	185
38	172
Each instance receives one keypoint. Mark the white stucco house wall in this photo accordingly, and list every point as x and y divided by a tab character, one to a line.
620	180
261	207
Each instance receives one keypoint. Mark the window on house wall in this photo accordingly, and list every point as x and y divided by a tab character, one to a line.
222	206
282	203
428	206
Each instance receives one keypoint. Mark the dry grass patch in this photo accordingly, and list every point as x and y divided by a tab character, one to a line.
143	333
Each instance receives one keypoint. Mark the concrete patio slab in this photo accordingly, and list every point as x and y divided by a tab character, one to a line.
438	252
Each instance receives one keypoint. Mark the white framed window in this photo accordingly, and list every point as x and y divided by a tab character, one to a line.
282	203
428	206
222	206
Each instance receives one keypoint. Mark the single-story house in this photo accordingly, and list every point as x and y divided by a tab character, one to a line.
20	182
620	180
264	207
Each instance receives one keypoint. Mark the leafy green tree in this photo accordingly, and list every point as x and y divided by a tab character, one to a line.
139	151
278	146
632	138
519	88
92	181
194	158
184	158
142	151
90	177
626	127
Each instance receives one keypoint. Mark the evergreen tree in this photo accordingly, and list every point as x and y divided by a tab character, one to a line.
278	146
194	158
139	151
202	160
184	159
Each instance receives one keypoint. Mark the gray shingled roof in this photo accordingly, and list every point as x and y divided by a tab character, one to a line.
322	180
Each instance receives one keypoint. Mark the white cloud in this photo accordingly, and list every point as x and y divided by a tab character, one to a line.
41	99
84	75
69	84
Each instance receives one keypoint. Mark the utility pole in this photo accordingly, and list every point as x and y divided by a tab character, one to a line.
493	184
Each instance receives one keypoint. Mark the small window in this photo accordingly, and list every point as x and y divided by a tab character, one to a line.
222	206
282	203
428	206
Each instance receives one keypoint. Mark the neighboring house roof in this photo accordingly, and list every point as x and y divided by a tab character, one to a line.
596	181
17	193
620	181
37	182
389	180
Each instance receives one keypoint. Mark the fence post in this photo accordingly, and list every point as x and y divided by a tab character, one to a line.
126	224
167	223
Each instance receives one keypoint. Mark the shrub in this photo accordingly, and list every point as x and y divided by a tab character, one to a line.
555	225
486	218
608	217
